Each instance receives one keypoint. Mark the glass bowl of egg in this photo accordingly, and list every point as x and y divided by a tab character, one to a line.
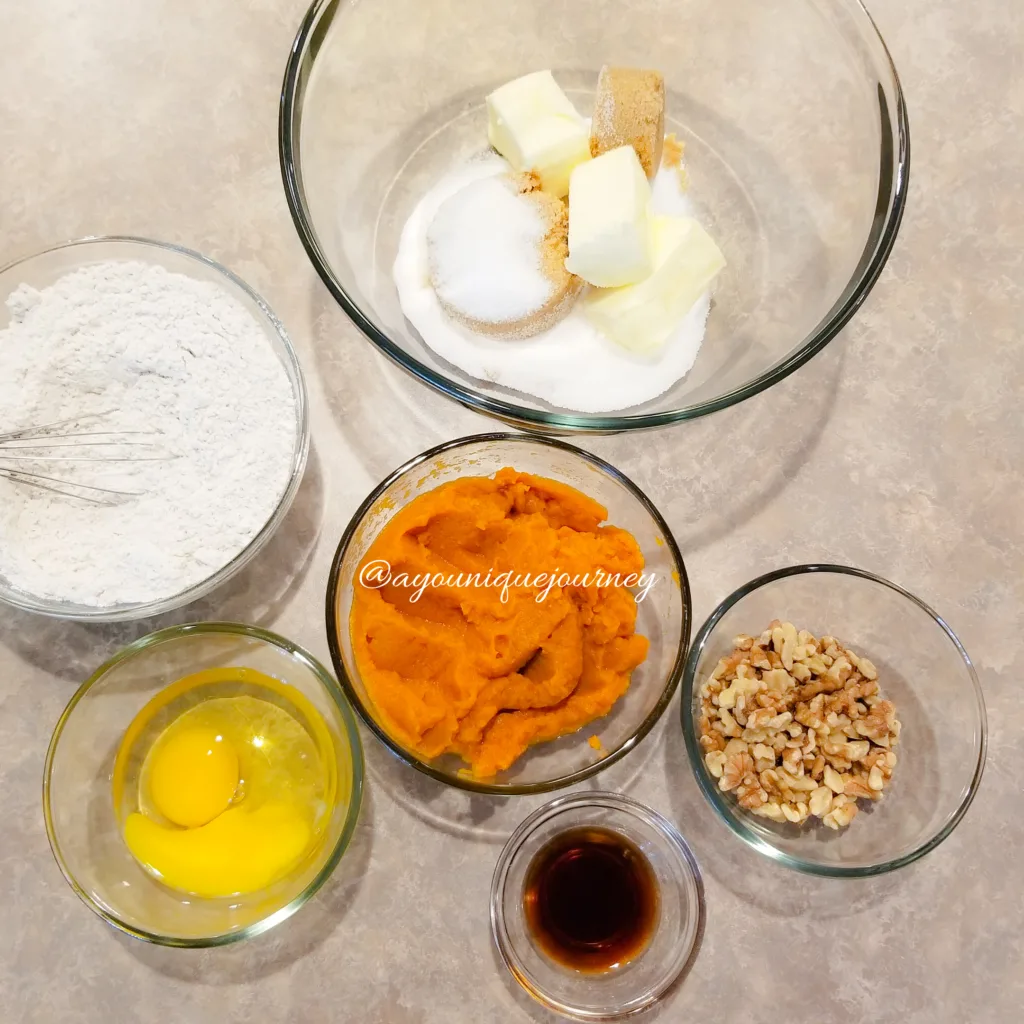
508	614
593	219
203	784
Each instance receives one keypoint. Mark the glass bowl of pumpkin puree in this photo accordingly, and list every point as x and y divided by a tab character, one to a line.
508	613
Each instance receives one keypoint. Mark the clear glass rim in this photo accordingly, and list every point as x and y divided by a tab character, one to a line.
129	612
351	818
553	809
894	162
723	807
335	583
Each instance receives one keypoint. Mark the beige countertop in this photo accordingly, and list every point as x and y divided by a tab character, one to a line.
898	449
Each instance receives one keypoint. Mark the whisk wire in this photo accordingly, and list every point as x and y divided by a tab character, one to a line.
29	441
69	488
35	444
42	429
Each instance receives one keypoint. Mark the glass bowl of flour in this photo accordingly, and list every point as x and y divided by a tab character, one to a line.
175	428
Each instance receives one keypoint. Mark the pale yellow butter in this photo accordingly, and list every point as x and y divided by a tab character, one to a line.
641	317
535	127
609	220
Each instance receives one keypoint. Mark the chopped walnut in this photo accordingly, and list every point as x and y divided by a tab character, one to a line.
750	794
795	727
735	768
715	761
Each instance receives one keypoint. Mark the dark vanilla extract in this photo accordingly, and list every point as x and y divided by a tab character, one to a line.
591	899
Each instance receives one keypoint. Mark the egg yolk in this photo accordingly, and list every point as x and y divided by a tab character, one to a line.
193	777
241	851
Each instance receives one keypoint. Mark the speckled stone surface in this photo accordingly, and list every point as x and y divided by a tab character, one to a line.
898	449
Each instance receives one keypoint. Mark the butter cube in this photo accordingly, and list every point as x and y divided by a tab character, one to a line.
609	220
641	317
535	127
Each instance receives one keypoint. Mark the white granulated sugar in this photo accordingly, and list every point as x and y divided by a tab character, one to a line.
157	352
484	243
571	365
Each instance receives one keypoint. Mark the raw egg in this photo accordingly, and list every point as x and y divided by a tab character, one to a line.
194	776
239	852
235	787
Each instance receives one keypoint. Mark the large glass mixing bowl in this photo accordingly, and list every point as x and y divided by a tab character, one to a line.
797	149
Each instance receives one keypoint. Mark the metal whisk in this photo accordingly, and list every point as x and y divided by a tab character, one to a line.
41	444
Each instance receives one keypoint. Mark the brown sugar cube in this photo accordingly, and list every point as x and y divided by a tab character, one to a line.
630	111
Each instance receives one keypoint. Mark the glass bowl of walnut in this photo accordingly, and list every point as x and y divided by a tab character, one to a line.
833	721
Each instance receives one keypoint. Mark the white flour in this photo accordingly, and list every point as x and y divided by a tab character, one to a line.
162	353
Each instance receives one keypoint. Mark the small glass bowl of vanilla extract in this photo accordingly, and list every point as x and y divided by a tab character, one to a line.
597	906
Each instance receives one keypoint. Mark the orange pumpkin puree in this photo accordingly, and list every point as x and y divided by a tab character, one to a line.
458	670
